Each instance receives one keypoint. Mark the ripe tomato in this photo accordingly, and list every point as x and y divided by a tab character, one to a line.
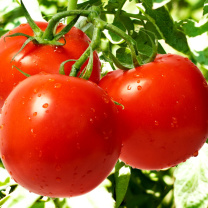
35	58
58	135
165	115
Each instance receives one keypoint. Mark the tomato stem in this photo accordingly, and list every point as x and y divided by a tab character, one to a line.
137	61
37	31
48	34
93	45
72	5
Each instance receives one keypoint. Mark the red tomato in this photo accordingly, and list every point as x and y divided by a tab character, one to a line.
58	135
165	115
36	58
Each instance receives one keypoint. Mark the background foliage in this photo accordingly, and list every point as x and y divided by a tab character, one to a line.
181	27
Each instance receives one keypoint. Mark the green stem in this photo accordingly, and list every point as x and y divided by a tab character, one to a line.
72	5
48	34
37	31
93	45
118	12
137	61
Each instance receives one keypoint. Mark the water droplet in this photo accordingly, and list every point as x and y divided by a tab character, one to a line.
78	146
174	119
91	120
39	95
195	153
40	153
47	111
106	99
205	84
35	114
45	105
23	102
136	75
57	85
129	87
35	91
89	171
51	80
3	157
138	81
58	179
1	126
156	123
58	168
139	87
92	109
23	24
32	132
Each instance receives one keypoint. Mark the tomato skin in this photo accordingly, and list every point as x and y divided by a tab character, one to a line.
165	115
58	136
35	58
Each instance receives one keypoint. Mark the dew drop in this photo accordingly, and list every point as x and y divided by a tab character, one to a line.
138	81
58	179
3	157
174	120
35	91
205	84
91	120
139	87
35	114
45	105
156	123
129	87
195	154
136	75
89	171
40	153
78	146
106	100
57	85
51	80
92	109
1	126
39	95
58	168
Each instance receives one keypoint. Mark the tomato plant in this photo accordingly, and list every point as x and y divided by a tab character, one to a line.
35	58
57	135
164	119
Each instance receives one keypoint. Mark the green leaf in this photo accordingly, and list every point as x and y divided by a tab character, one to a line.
191	184
159	3
124	57
205	10
145	43
20	197
116	39
193	28
122	177
165	25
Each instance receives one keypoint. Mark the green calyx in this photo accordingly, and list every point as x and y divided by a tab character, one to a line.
50	37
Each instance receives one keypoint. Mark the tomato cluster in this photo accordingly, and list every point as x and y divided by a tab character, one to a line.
61	136
58	134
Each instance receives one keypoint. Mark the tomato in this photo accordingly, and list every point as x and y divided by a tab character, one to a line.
164	119
58	135
35	58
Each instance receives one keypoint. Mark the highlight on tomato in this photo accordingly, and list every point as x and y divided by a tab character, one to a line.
164	118
58	135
